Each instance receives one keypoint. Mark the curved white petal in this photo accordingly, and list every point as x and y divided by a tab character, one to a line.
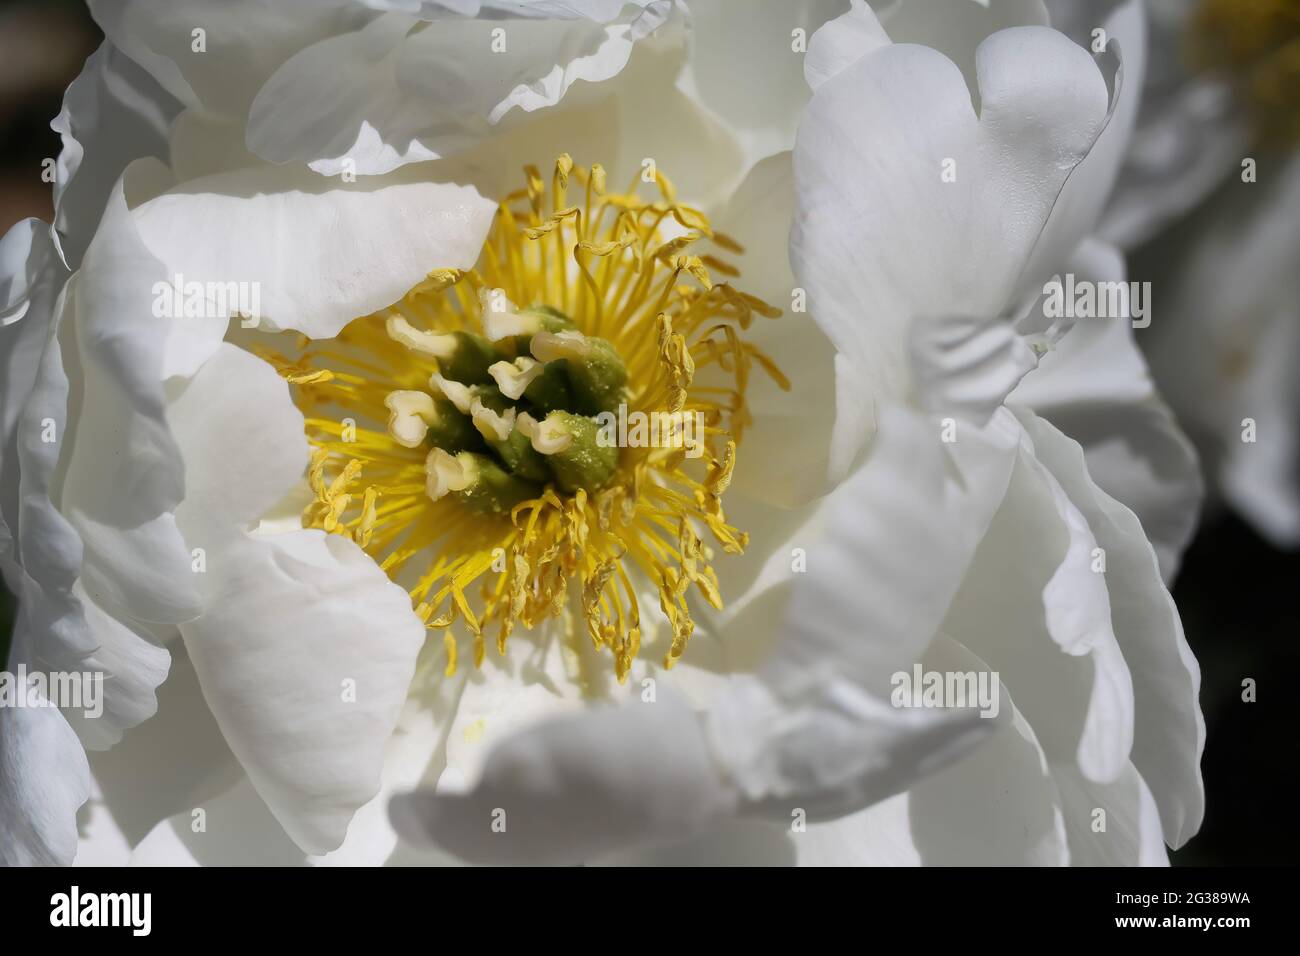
100	841
957	29
394	94
578	787
169	765
966	366
238	45
1095	387
311	253
1080	205
43	781
747	65
1190	132
877	836
131	667
305	650
901	535
124	475
784	458
998	806
40	553
1169	731
114	112
59	628
880	238
232	829
842	42
1128	834
810	734
1035	610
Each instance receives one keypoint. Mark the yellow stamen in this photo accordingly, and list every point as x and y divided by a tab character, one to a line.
593	302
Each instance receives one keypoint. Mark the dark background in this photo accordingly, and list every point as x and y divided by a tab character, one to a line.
1235	592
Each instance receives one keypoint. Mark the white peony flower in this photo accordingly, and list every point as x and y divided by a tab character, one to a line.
373	573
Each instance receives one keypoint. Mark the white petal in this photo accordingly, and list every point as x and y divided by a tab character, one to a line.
504	697
966	366
1096	388
305	649
100	841
954	29
1169	733
997	807
784	458
957	29
813	736
577	787
746	67
43	781
132	666
236	830
1190	133
169	765
243	441
880	580
124	476
1034	609
294	620
1131	835
834	750
243	43
406	96
842	42
1079	207
316	252
40	553
414	755
880	835
880	238
115	111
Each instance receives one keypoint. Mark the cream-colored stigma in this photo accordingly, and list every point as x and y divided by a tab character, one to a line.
446	473
457	393
548	437
435	344
501	319
492	425
513	378
412	414
553	346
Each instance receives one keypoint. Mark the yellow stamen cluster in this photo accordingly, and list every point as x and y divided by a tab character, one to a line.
623	270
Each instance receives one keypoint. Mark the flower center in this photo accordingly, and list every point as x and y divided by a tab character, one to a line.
563	416
1257	43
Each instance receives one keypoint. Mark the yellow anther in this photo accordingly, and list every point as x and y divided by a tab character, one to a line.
551	224
501	531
